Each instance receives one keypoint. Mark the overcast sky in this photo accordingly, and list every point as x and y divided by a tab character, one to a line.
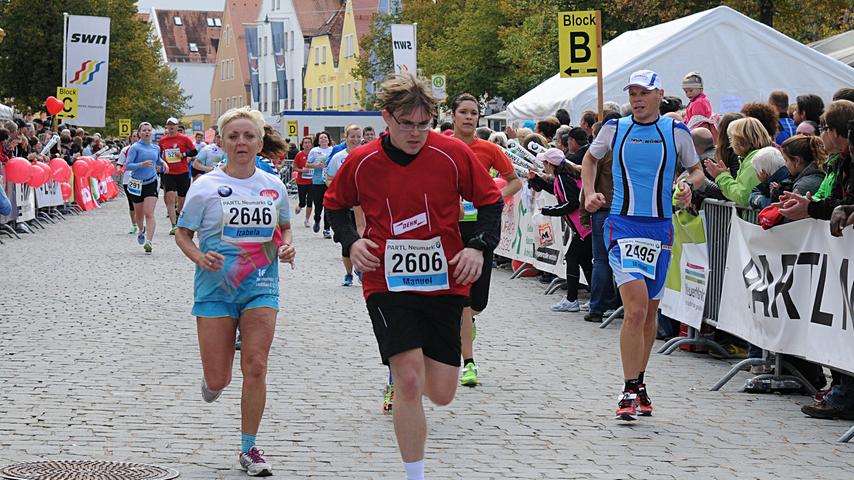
208	5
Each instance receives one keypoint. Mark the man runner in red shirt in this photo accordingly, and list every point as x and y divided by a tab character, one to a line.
177	150
417	272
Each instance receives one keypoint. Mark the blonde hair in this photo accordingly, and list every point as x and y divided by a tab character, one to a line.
350	128
253	116
405	93
747	135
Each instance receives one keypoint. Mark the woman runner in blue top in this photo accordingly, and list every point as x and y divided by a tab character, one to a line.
143	161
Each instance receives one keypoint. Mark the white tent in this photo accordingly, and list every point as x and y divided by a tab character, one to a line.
740	59
6	113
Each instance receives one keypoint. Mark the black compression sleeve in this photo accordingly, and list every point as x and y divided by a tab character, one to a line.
487	228
340	222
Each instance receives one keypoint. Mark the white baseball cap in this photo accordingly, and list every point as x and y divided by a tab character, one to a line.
644	78
172	120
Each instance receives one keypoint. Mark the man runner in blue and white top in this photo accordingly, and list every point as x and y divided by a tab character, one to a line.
647	148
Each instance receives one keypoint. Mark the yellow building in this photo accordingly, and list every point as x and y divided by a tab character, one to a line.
333	55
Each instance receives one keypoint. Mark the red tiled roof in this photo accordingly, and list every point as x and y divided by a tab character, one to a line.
334	27
363	11
313	15
194	28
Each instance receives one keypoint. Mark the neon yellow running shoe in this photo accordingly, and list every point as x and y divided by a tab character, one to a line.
388	400
469	378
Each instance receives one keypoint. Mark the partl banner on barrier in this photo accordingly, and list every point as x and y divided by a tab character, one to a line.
791	290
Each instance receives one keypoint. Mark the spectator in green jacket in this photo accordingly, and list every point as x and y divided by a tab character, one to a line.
746	136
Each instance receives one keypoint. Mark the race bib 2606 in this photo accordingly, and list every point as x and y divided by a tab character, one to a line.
416	265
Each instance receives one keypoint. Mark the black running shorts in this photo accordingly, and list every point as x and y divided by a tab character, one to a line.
304	196
179	182
404	321
479	296
345	251
148	190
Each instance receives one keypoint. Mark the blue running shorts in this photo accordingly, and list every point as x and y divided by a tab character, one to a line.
234	310
618	227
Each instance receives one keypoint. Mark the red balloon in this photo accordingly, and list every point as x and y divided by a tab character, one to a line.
53	105
18	170
81	167
47	173
96	168
66	191
37	179
111	170
108	165
61	170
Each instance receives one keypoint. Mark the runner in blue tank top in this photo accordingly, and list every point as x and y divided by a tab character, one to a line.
646	148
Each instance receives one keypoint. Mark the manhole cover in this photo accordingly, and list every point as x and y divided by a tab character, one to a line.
79	470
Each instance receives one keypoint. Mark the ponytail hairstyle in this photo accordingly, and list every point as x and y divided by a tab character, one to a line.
809	148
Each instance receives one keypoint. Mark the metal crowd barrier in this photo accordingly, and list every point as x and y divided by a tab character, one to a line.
717	226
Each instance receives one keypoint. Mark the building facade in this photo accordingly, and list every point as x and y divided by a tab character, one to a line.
230	86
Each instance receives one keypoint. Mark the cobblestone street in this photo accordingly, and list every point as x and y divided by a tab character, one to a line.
99	360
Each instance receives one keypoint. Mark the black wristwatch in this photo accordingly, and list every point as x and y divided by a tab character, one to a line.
477	243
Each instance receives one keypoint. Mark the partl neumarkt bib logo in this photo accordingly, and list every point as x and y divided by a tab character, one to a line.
87	72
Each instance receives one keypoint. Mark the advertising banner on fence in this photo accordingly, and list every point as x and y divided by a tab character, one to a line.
791	290
404	48
49	195
26	202
685	290
87	56
532	238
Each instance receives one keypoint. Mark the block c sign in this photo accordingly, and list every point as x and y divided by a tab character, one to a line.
68	97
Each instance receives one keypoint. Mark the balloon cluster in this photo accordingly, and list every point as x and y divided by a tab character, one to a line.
35	174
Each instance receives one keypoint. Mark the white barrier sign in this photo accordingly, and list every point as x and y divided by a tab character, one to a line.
529	238
791	290
49	195
26	201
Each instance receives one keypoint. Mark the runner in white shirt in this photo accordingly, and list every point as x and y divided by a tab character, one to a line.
209	157
242	218
353	137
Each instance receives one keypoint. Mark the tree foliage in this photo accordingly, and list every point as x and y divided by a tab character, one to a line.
141	86
506	47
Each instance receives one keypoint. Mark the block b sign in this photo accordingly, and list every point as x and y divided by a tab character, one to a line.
578	40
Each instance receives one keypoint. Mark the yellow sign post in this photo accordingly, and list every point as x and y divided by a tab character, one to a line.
293	129
580	42
124	127
68	97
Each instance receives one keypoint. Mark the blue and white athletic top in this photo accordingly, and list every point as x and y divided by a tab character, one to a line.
240	219
644	166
